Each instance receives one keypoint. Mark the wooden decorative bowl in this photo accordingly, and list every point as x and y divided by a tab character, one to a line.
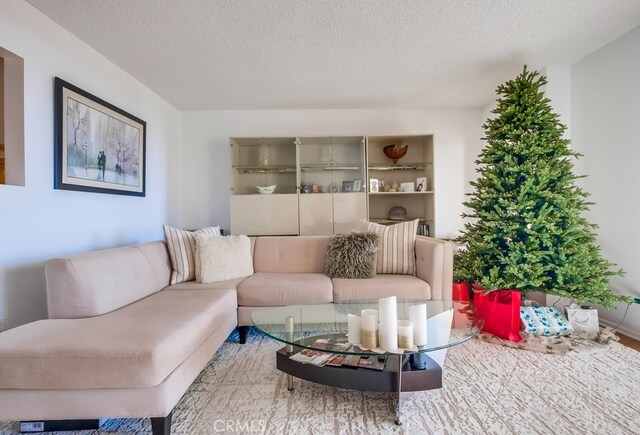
395	152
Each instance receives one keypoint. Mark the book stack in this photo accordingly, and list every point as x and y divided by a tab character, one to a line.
423	228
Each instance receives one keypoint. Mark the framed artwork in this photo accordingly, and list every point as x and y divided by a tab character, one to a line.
357	185
407	187
421	184
347	186
373	185
98	147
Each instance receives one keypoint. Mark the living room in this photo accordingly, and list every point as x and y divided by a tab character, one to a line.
287	69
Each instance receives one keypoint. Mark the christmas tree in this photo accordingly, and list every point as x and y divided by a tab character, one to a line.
527	231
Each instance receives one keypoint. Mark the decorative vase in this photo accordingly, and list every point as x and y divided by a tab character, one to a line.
395	152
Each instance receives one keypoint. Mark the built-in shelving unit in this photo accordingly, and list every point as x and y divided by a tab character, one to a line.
322	183
416	163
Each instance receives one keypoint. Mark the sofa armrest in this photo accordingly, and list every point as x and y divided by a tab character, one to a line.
434	264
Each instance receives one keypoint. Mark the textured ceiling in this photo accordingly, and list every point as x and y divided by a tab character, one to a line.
303	54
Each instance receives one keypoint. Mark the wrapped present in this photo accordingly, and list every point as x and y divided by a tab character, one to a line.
583	321
460	291
497	312
546	321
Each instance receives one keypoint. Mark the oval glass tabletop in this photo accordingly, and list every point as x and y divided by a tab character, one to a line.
324	327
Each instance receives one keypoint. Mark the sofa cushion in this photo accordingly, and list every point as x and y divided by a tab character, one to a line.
136	346
396	247
98	282
382	286
158	256
278	289
352	256
223	258
181	246
293	254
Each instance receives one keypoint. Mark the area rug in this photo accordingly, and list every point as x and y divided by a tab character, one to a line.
488	389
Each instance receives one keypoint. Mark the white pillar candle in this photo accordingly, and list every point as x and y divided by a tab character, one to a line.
369	329
418	315
353	328
388	324
369	320
405	334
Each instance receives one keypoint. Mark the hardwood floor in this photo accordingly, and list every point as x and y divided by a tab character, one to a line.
629	342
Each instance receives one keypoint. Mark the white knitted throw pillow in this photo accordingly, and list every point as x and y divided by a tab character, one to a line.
223	258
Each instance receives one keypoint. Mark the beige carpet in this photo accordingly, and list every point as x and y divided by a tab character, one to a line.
488	389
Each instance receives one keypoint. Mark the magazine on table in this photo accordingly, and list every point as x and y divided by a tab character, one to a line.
337	360
372	362
351	360
315	357
333	344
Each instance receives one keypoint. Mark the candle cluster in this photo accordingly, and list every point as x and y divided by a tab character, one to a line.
381	328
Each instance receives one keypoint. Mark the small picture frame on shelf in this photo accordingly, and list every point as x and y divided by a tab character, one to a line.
306	188
357	185
317	188
373	185
421	184
347	186
407	187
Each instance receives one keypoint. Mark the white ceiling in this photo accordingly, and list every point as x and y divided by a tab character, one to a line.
304	54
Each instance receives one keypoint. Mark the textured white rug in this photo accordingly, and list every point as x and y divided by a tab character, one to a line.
488	389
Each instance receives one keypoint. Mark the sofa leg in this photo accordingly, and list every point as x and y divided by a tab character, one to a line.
161	425
243	330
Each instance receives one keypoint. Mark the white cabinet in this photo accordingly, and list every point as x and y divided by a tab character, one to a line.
349	210
332	178
332	213
264	162
255	215
416	164
316	214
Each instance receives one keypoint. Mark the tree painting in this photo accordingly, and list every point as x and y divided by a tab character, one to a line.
101	147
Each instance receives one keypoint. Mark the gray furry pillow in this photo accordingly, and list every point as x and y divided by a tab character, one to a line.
352	256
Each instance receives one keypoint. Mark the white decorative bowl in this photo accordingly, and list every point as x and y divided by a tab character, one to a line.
266	190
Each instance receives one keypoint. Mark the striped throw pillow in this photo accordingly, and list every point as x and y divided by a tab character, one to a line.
396	247
181	245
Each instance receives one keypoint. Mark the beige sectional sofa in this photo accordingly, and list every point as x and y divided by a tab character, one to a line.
120	342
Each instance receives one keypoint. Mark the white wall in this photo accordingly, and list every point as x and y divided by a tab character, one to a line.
38	222
206	163
605	114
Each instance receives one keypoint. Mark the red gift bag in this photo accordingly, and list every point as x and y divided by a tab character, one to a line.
460	291
499	312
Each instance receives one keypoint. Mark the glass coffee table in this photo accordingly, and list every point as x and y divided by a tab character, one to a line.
313	334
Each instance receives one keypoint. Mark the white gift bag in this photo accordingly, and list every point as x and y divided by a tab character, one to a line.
584	322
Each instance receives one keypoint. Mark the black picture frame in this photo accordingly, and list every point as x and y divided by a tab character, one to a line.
107	150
